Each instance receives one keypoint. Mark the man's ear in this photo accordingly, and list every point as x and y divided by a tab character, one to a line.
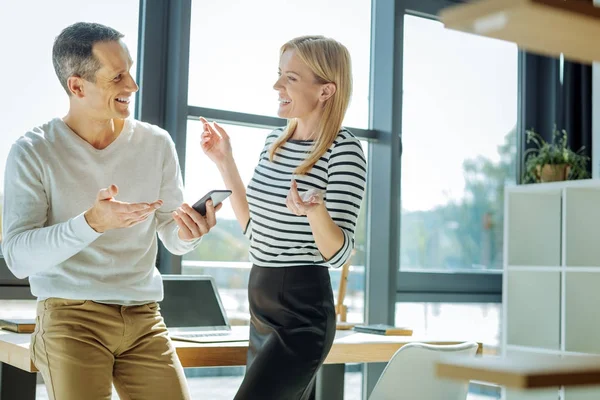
75	85
327	91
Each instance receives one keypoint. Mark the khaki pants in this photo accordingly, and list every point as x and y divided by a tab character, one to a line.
82	348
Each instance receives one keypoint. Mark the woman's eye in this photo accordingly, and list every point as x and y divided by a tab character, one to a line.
291	79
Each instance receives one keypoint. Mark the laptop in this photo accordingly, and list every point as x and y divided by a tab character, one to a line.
193	311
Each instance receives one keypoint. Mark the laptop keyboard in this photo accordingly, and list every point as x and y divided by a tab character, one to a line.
203	334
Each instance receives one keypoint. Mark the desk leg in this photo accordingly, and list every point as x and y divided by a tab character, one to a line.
330	382
16	383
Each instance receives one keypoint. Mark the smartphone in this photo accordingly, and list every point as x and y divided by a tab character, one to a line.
217	197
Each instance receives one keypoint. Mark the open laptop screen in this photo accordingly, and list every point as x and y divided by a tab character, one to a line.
191	303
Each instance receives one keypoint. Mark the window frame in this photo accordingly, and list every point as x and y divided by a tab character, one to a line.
163	68
162	100
386	284
413	286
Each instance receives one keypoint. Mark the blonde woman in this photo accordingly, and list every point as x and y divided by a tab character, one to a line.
299	212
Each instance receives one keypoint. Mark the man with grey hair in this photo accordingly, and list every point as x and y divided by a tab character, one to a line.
85	196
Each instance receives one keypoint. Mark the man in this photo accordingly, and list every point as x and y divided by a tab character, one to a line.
85	196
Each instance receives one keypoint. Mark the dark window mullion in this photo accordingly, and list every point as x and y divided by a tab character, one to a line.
258	121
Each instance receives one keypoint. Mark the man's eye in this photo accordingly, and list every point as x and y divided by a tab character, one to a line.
118	78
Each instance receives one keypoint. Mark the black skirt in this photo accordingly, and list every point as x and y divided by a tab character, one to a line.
292	328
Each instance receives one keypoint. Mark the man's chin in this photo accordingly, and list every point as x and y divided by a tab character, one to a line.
122	114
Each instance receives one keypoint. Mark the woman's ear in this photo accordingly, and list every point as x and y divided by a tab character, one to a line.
327	90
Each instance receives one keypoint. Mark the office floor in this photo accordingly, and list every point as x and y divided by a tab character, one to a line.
224	388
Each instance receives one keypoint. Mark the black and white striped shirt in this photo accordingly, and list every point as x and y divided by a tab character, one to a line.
279	238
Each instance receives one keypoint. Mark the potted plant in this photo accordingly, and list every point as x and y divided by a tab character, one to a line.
553	161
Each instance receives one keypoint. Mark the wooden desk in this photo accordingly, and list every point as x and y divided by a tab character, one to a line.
348	347
524	371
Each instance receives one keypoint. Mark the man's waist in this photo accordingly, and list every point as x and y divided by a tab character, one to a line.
142	292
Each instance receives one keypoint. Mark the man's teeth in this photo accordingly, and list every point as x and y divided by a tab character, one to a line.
123	100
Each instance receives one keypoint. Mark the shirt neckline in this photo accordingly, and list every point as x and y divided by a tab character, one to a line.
126	132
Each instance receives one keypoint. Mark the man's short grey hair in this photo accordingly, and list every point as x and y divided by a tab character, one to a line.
72	51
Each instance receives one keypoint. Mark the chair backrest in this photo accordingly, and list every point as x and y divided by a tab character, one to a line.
410	374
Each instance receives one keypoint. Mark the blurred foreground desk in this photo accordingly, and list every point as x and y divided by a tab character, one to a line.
524	371
17	380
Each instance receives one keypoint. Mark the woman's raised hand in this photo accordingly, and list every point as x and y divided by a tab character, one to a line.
215	142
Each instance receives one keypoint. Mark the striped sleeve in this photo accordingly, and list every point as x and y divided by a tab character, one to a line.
347	170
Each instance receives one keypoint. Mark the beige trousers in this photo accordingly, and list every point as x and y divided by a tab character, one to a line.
82	348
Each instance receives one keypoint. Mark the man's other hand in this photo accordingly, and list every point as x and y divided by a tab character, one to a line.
192	224
108	213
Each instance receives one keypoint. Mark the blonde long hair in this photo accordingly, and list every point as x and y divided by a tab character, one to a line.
329	61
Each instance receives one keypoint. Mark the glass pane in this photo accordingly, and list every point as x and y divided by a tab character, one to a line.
226	241
459	120
17	309
33	94
234	55
223	253
461	321
480	322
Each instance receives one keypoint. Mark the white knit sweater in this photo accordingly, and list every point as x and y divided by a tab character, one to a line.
52	177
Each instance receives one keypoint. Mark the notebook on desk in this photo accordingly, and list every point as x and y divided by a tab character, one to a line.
193	311
382	329
18	325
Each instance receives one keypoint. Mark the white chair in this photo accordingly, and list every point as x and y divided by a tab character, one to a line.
410	374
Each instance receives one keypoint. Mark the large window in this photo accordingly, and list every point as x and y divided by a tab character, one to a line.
234	50
32	92
458	115
459	138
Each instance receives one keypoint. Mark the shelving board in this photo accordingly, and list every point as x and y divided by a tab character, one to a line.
533	313
534	228
582	226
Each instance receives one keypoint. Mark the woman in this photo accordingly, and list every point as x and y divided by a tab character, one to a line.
300	214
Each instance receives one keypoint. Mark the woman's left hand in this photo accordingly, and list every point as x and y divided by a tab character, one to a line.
295	203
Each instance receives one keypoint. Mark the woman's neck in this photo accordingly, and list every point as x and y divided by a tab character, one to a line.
306	128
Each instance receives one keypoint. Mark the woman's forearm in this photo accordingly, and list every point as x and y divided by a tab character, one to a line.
327	234
233	181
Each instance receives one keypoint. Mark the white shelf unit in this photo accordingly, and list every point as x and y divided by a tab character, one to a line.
551	281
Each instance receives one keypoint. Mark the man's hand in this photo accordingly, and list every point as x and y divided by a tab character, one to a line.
192	225
108	213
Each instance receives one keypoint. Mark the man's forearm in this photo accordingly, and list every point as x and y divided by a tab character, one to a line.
35	250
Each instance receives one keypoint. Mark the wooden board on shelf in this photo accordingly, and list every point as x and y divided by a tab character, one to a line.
524	371
549	27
